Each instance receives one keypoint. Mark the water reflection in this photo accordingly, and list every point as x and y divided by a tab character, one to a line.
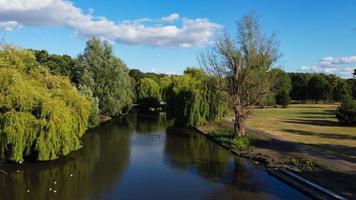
87	173
237	177
140	158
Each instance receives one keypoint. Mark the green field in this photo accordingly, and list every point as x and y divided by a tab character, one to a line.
314	125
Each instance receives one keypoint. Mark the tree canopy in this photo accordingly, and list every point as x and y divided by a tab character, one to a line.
42	116
194	99
107	77
244	66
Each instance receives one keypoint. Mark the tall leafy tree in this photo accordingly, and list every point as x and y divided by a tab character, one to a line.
299	91
106	76
318	88
352	84
341	90
243	66
283	87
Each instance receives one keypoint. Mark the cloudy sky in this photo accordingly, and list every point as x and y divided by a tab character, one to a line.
165	36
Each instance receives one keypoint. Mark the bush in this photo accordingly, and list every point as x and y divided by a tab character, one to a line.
346	112
242	143
283	98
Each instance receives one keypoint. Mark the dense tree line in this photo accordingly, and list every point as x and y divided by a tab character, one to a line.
319	87
47	101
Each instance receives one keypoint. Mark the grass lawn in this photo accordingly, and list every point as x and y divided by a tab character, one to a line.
312	124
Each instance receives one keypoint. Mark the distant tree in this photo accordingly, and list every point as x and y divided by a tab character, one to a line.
282	87
164	83
106	76
352	85
152	76
194	100
149	95
243	66
333	82
317	88
41	56
149	88
346	112
341	90
136	76
354	74
57	64
299	91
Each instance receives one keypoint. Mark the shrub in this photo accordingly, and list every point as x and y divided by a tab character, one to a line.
243	143
346	112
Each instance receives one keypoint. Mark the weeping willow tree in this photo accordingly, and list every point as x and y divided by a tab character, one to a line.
193	99
42	116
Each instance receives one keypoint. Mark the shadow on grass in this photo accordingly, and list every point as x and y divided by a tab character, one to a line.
319	122
326	112
332	151
321	135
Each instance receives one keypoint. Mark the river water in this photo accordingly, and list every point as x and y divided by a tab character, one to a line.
141	158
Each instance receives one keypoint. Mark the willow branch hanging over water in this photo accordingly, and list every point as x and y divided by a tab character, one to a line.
42	116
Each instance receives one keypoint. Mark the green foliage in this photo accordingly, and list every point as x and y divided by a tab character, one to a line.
352	84
136	76
300	82
243	143
165	82
20	59
341	90
94	111
42	116
149	88
149	94
283	98
57	64
194	100
303	163
106	76
283	87
268	100
317	88
346	112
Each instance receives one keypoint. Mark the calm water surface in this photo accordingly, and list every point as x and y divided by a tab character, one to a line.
140	158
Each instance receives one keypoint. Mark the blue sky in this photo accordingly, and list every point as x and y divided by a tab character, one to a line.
166	35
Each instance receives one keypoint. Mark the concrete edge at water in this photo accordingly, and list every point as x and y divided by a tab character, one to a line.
305	186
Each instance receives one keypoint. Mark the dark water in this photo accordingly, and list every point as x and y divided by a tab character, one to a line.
140	158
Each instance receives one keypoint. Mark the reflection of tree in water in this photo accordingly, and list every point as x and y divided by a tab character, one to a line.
199	155
84	174
146	124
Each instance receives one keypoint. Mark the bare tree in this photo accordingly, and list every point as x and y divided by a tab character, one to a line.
244	67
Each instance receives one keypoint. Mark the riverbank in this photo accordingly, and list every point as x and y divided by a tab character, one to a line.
273	151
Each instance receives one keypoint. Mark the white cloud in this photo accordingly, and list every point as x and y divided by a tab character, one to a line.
9	26
190	33
172	17
333	65
336	61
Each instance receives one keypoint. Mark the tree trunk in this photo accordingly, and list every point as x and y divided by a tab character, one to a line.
239	126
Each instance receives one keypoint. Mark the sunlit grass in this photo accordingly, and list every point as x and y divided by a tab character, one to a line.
304	123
